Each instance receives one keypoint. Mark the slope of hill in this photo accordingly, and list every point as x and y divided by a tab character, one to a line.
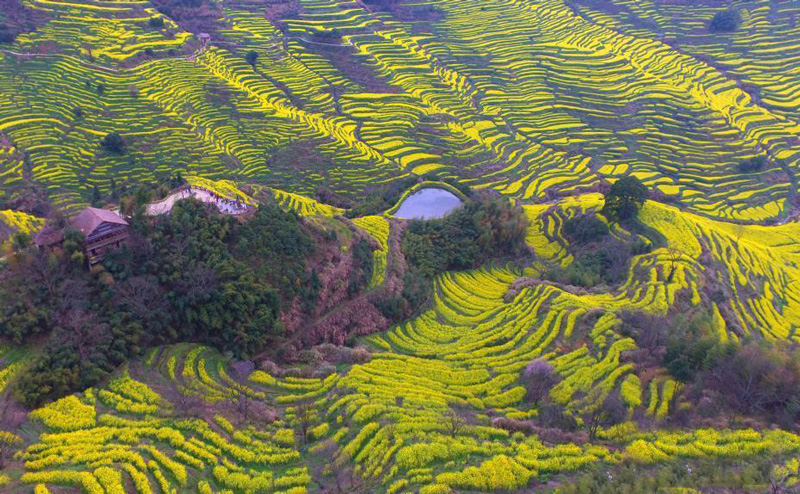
437	403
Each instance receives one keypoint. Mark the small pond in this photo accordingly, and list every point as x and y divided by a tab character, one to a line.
427	204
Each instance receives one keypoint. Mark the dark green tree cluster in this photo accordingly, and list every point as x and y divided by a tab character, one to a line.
470	236
362	254
479	231
52	297
275	246
193	275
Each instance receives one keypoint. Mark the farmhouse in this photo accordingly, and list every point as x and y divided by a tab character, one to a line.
102	230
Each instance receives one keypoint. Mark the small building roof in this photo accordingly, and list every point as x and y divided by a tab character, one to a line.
48	237
90	218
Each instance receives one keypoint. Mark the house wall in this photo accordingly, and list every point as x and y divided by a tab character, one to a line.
105	238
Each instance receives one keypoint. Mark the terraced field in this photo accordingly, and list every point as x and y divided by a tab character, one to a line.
529	98
186	419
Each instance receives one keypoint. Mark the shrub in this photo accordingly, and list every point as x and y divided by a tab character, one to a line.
556	416
113	143
752	165
585	229
725	21
757	379
251	58
684	358
156	22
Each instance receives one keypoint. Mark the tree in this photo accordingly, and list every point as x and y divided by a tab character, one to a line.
338	476
73	245
611	412
625	198
474	233
455	422
85	333
240	402
538	377
114	143
113	189
251	58
725	21
675	254
97	197
144	300
304	418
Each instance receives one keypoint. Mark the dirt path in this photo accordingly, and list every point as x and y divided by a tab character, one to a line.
225	206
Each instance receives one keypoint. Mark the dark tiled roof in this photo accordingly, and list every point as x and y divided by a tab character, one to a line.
90	218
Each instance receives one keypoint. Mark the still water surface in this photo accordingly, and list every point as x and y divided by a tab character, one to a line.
427	204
